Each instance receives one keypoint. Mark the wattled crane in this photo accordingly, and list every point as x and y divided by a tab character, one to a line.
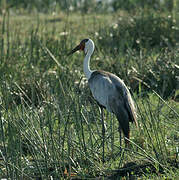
109	91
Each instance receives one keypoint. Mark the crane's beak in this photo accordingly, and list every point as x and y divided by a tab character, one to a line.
74	50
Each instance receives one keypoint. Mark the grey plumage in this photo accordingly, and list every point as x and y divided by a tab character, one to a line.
111	92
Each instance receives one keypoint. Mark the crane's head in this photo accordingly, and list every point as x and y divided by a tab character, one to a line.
85	45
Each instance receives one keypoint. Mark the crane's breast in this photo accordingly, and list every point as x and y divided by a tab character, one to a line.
102	89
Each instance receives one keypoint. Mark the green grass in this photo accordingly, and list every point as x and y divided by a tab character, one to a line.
49	121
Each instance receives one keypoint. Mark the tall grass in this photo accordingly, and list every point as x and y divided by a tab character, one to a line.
50	124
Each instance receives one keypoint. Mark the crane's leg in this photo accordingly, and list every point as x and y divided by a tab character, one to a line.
103	129
121	151
120	136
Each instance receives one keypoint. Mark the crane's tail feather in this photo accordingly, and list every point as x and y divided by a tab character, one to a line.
123	119
132	110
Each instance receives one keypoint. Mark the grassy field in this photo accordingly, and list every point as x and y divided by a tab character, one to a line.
50	125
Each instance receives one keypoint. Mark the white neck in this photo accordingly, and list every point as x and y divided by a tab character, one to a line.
86	67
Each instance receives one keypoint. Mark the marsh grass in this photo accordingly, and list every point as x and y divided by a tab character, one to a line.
50	124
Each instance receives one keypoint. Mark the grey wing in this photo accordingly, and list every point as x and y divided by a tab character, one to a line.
131	109
126	98
111	92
